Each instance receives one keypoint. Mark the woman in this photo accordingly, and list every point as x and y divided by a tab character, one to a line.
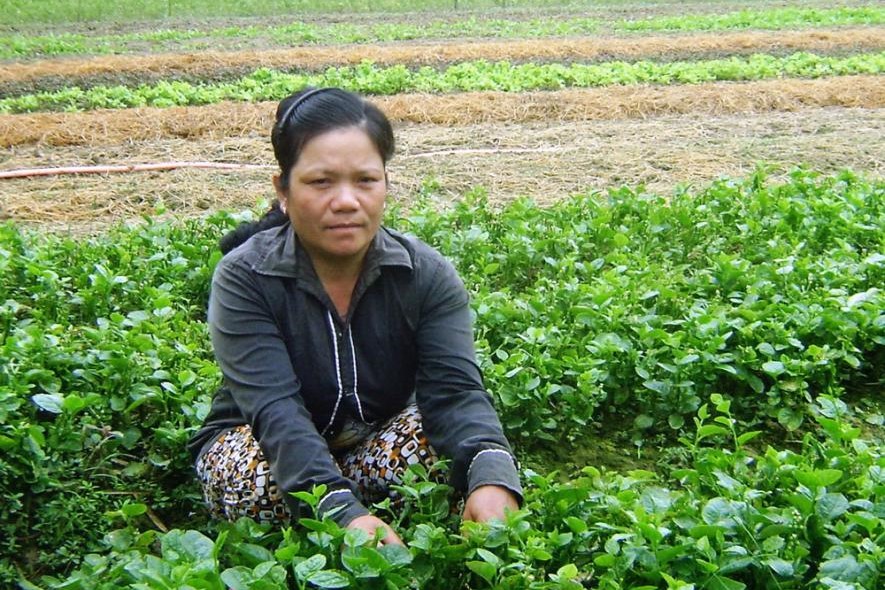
329	329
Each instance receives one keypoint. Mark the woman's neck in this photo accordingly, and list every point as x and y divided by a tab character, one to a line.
339	278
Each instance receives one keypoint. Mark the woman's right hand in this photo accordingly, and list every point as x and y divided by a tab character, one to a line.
371	524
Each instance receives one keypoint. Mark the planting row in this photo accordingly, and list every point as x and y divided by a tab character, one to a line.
729	520
630	308
368	78
300	33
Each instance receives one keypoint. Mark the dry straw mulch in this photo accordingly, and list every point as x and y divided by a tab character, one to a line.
239	119
209	63
546	160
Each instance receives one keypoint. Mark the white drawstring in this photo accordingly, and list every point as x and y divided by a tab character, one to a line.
338	369
356	389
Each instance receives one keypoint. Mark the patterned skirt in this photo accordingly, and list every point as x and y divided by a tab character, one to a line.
237	481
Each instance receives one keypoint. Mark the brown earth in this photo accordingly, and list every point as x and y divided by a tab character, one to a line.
238	119
19	78
546	160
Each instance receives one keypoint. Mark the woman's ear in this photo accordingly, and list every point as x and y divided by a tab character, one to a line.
282	195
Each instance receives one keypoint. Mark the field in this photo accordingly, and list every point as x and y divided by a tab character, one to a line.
669	216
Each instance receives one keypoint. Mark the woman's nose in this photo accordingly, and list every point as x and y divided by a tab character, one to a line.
346	197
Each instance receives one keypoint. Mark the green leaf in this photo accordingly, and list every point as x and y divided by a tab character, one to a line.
605	560
662	387
831	506
483	569
717	582
705	530
49	402
7	443
748	436
718	511
710	430
396	555
643	421
766	349
656	500
192	544
135	469
790	419
238	578
329	579
576	524
814	479
847	569
773	368
802	502
356	537
780	567
567	572
73	403
253	554
755	383
489	557
131	510
309	566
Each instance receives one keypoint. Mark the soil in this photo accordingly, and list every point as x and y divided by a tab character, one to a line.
546	160
213	66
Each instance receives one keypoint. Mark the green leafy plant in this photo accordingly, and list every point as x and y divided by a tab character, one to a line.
306	33
366	78
731	519
690	322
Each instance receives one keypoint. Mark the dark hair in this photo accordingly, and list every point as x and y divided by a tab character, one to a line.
301	117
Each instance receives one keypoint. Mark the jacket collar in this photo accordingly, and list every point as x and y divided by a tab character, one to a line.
282	254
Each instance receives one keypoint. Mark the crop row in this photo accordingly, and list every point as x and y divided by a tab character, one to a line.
632	309
729	520
301	33
368	78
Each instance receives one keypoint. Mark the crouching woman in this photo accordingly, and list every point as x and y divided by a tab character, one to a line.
346	347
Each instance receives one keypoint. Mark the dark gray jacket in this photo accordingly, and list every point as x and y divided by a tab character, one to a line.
294	370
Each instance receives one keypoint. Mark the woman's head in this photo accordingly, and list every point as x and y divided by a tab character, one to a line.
300	118
309	113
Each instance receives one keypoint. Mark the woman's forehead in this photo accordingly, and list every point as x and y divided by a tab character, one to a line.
351	145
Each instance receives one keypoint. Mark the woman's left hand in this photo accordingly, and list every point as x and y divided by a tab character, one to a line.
487	502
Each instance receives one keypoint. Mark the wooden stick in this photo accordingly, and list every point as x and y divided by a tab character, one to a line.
28	172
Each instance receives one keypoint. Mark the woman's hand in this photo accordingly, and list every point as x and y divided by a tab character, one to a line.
488	502
371	524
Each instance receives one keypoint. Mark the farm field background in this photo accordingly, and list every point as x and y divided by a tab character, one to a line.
669	215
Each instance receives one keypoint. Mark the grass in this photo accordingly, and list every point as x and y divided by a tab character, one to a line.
296	33
62	11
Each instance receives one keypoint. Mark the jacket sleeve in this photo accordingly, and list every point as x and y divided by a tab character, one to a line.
456	411
257	369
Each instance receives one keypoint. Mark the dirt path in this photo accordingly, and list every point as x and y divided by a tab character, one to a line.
545	160
240	119
19	78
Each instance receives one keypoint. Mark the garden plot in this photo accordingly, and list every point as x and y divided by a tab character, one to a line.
695	334
45	75
652	122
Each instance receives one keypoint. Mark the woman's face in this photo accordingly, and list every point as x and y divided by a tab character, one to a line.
336	195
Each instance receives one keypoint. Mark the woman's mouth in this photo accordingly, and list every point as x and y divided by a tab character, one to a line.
344	226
